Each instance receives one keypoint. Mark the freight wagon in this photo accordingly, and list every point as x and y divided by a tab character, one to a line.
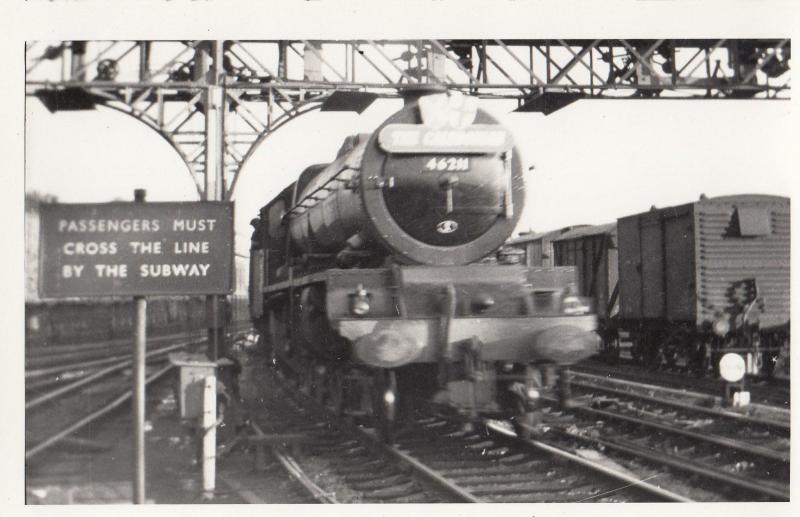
538	246
592	250
689	283
708	277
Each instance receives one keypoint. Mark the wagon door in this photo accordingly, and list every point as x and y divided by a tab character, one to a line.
679	265
630	271
652	266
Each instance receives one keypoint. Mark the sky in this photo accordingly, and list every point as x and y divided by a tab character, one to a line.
591	162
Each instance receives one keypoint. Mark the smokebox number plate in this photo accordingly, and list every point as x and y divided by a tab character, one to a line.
447	164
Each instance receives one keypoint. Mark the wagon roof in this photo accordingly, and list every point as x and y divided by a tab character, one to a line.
745	197
587	231
704	201
552	234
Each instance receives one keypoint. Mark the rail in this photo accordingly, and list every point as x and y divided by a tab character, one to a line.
594	382
59	392
86	420
296	472
84	379
631	481
640	429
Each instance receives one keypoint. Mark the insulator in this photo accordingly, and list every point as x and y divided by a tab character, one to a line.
107	70
53	52
408	55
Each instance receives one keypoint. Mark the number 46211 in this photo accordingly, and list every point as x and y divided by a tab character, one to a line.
447	164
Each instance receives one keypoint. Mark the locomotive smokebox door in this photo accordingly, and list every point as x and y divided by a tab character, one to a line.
442	183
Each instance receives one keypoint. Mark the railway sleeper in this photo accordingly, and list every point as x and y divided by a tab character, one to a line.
477	479
374	483
370	466
347	450
417	497
525	487
399	490
451	463
385	473
496	470
463	454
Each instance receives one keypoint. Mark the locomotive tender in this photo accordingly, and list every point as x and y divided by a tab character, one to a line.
364	277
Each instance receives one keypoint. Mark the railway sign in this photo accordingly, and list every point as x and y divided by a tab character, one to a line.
123	248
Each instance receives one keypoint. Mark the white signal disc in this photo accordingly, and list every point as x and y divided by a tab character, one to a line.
732	367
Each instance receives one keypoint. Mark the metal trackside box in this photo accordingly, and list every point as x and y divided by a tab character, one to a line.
117	249
193	370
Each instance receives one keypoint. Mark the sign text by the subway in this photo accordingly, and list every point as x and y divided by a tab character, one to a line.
123	249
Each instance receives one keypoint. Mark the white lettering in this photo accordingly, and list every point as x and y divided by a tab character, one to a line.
145	247
70	271
185	247
107	225
111	270
167	270
89	248
193	225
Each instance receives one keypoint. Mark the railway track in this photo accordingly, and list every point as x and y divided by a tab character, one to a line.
773	417
63	365
434	459
46	360
767	392
493	465
62	401
625	441
738	456
332	460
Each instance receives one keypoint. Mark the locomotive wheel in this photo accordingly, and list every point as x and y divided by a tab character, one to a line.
318	384
384	404
650	351
304	378
637	351
611	348
698	361
678	345
670	355
526	412
278	336
334	391
652	356
307	380
314	332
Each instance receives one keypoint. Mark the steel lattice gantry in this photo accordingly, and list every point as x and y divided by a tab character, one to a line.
214	101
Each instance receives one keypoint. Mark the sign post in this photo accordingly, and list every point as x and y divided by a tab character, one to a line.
137	249
139	397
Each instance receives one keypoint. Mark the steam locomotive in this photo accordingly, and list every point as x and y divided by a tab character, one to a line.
367	281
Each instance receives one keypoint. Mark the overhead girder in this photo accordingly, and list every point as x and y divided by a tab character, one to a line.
261	85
